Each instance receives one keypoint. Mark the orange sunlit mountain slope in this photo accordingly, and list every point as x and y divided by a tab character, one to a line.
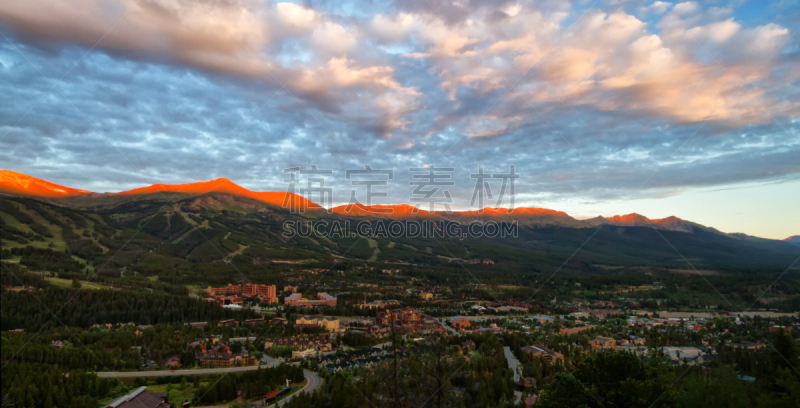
223	185
22	184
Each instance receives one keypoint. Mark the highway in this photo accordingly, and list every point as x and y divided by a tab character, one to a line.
312	383
312	379
164	373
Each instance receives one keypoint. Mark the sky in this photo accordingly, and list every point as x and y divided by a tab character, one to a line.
603	107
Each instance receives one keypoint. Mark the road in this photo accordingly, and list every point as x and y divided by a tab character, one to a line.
312	379
513	363
450	329
312	383
164	373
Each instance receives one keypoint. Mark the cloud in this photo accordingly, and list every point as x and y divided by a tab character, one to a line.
586	102
268	44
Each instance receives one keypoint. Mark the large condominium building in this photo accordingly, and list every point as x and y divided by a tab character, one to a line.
211	291
401	317
267	293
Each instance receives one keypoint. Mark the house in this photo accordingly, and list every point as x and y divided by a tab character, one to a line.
198	345
468	345
253	322
277	320
228	323
319	342
310	352
140	398
291	288
542	319
539	350
218	359
426	295
459	322
57	344
172	362
199	325
604	343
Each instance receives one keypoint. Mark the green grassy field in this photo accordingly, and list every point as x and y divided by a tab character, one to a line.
67	283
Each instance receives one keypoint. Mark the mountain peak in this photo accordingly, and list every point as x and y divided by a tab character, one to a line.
398	210
629	219
223	185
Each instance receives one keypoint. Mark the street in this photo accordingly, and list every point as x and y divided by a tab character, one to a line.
313	381
513	363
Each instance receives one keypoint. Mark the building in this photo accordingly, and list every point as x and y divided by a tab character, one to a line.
542	319
291	288
408	320
220	359
573	330
140	398
319	342
172	362
265	293
211	291
327	323
459	322
297	299
226	300
228	323
242	340
253	322
539	350
468	345
426	295
399	317
604	343
377	304
310	352
683	353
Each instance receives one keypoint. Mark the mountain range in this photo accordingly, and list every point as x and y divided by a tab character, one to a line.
218	220
23	185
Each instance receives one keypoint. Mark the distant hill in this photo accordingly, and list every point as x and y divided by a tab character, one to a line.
794	240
